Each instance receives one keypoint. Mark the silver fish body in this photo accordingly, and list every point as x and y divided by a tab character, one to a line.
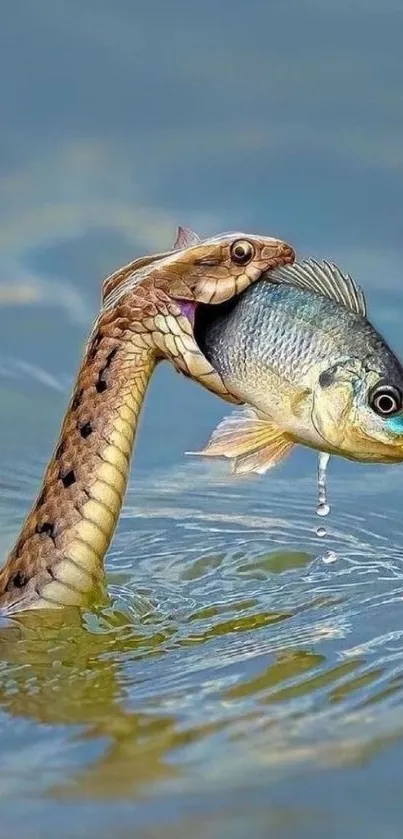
309	364
286	331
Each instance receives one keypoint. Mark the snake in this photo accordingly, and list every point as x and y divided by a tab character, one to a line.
147	315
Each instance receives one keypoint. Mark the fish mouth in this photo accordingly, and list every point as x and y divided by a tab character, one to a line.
364	449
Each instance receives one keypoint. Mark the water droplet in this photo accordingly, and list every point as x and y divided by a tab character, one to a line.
323	508
321	532
329	557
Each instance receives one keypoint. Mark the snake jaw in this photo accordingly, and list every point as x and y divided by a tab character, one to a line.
176	341
188	310
209	278
151	309
164	293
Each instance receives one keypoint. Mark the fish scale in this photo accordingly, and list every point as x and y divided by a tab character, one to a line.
277	327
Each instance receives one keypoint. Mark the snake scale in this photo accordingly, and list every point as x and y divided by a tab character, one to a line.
147	314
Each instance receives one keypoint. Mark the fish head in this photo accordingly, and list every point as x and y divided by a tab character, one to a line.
357	409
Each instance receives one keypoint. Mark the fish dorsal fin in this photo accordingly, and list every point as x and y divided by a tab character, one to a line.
253	443
185	238
323	278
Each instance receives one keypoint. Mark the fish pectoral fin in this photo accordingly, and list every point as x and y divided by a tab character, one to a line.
261	460
252	442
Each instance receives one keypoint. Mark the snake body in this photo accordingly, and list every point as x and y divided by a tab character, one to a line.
147	314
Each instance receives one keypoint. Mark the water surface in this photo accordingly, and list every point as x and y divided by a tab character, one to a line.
238	683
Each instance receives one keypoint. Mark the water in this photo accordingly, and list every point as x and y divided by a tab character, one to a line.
247	676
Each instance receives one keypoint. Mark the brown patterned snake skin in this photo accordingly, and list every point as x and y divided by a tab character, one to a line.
147	315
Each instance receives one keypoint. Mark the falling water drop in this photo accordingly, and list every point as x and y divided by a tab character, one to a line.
329	557
323	508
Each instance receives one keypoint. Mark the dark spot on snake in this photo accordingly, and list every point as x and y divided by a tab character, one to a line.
46	527
93	347
68	479
18	581
111	356
41	499
76	400
101	384
59	451
86	430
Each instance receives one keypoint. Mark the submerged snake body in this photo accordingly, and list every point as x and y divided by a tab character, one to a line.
147	314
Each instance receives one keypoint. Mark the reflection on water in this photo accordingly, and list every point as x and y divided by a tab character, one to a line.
229	651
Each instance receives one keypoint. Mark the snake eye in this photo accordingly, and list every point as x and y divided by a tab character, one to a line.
242	251
385	400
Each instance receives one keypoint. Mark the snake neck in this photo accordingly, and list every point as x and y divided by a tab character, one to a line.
58	557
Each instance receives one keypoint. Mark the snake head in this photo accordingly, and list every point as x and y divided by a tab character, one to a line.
166	290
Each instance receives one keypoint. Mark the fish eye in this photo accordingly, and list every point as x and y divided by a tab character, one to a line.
385	400
242	251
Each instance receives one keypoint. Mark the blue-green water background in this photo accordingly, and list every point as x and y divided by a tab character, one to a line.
237	685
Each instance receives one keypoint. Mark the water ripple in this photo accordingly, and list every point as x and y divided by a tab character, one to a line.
226	625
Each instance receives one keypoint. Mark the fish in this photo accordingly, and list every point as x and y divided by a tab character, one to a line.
298	351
